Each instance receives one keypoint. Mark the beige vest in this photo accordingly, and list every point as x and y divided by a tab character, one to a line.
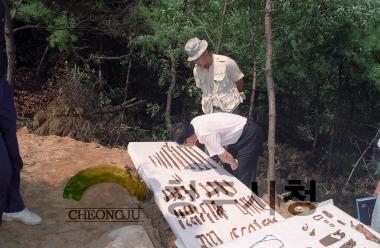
217	88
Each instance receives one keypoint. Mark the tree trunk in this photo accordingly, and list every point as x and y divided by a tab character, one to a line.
333	136
169	96
335	123
317	110
184	6
42	59
222	27
271	97
253	95
9	44
128	75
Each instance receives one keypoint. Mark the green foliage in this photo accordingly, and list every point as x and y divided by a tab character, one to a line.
124	61
34	11
153	109
374	74
160	133
60	25
323	51
366	37
323	54
165	73
62	33
169	29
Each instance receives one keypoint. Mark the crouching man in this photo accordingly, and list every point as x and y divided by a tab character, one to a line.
234	139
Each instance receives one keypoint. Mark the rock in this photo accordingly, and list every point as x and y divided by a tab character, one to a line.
133	236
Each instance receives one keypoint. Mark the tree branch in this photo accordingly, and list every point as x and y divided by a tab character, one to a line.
231	2
128	73
28	27
120	107
222	26
76	54
109	57
361	157
42	59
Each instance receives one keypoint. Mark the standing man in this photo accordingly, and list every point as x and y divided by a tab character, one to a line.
12	207
218	76
3	59
243	137
375	222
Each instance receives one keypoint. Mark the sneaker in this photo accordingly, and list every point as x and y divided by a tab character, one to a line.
25	216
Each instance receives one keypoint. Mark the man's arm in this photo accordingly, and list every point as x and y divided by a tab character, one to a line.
234	74
214	147
240	84
226	157
377	189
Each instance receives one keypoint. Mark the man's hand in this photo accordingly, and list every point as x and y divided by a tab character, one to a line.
240	84
377	190
226	157
235	165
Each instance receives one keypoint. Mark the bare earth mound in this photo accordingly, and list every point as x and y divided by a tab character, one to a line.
49	162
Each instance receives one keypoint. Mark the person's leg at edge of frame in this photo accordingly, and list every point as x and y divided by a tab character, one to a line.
12	205
8	129
14	201
13	208
5	176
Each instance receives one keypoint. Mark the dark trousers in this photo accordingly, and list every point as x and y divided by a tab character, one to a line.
247	150
10	160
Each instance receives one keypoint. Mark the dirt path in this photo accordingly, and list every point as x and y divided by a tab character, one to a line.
48	163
